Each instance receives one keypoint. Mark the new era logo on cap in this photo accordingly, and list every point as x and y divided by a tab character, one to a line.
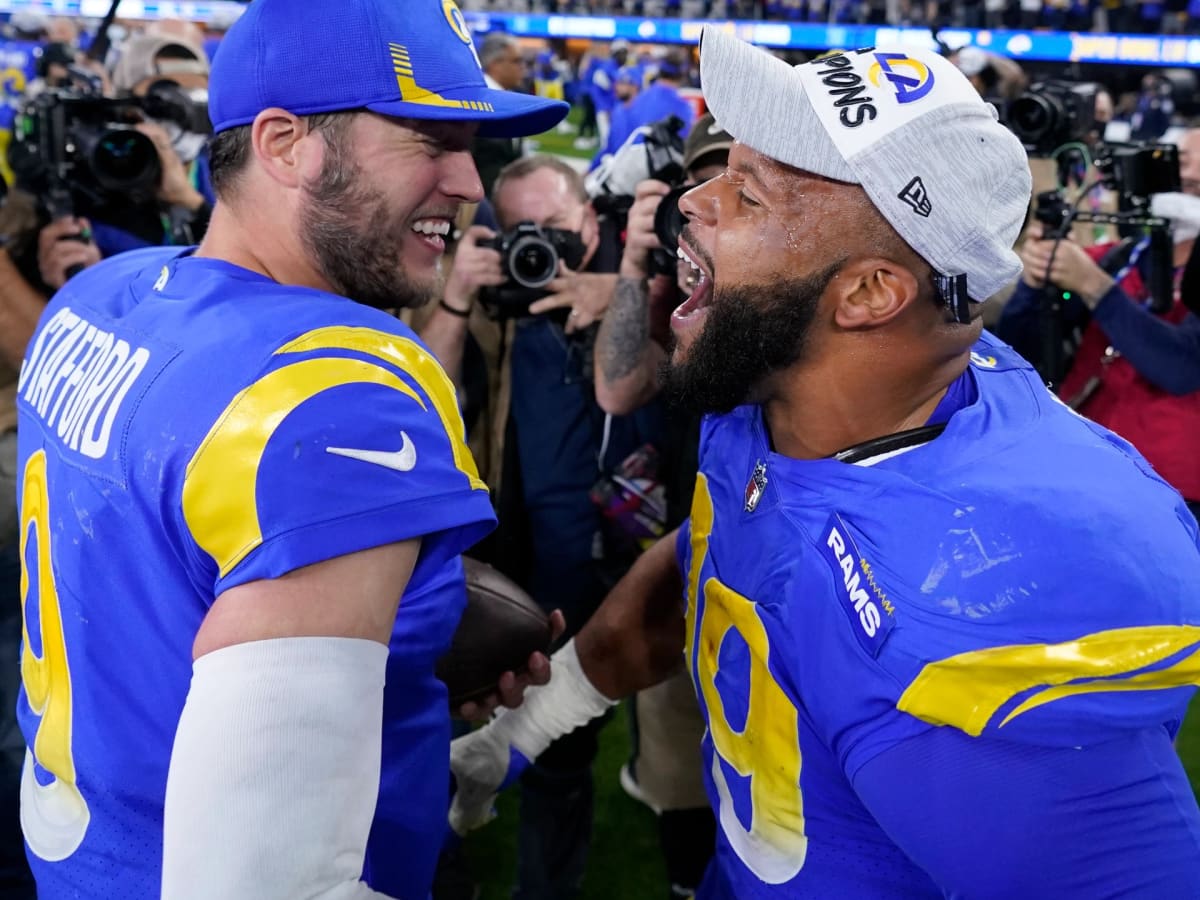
914	195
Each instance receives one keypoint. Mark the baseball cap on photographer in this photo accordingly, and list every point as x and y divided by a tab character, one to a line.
705	137
904	124
403	58
139	60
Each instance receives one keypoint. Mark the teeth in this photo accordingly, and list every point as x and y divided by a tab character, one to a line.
687	259
432	226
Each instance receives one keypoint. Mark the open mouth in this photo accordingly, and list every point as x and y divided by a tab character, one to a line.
692	310
432	232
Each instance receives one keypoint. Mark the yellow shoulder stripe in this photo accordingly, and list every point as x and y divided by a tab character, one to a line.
967	690
220	485
413	359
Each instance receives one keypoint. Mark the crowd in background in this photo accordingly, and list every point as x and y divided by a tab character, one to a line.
554	429
1135	16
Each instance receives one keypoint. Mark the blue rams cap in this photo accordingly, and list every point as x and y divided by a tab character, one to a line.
403	58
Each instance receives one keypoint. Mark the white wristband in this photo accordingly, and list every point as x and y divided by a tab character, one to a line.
568	701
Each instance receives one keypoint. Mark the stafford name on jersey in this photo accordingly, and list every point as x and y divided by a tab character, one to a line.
76	377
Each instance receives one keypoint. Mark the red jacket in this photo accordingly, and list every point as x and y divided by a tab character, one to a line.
1164	427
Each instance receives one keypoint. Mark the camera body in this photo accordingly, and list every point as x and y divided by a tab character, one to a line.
1053	113
78	151
529	258
1134	172
1137	171
653	152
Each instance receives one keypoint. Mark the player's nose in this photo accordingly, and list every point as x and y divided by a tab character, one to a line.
460	178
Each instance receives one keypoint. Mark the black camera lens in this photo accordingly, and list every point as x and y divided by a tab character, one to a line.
1032	117
532	261
668	220
123	160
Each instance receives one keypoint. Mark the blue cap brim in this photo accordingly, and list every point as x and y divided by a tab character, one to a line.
511	114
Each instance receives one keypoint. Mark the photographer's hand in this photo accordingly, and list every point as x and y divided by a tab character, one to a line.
63	245
1071	269
640	238
474	267
174	187
587	294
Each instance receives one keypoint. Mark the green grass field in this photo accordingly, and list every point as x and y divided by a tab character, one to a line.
625	860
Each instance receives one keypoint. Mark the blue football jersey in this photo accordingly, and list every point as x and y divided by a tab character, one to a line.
187	426
1023	577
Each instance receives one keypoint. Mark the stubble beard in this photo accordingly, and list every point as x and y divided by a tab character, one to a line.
356	241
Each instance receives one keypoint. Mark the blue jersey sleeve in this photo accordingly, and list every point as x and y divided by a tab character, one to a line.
349	438
996	819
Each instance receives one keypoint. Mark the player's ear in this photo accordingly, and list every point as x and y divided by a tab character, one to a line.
872	292
286	148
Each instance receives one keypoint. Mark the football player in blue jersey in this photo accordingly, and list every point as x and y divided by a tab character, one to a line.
943	630
235	465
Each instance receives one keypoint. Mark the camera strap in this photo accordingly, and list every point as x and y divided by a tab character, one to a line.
1124	257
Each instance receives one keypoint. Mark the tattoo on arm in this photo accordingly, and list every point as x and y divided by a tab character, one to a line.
626	330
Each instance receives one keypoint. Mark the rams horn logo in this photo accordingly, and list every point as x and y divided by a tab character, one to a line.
458	24
910	79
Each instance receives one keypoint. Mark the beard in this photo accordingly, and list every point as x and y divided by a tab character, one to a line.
745	340
355	239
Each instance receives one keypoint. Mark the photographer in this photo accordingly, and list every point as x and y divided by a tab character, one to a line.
558	444
166	82
1135	371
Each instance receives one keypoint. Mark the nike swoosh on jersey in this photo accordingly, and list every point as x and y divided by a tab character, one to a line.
402	460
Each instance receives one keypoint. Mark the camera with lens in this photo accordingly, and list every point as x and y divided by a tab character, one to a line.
1053	113
656	152
1134	172
529	258
79	152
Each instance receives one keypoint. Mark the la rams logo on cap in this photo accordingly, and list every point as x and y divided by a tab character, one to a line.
458	24
909	78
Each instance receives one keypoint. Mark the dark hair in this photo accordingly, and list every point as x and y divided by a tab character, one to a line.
229	152
176	51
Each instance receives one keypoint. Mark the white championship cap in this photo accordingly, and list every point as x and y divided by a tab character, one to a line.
904	124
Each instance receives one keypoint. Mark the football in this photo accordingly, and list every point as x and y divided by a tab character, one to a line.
500	627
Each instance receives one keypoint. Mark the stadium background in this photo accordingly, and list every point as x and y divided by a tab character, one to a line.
625	861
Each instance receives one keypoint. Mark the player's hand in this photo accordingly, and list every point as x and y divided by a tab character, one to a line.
1070	269
63	245
474	267
174	185
586	294
511	691
482	763
640	238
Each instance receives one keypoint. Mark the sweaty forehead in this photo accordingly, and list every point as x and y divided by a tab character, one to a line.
787	184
